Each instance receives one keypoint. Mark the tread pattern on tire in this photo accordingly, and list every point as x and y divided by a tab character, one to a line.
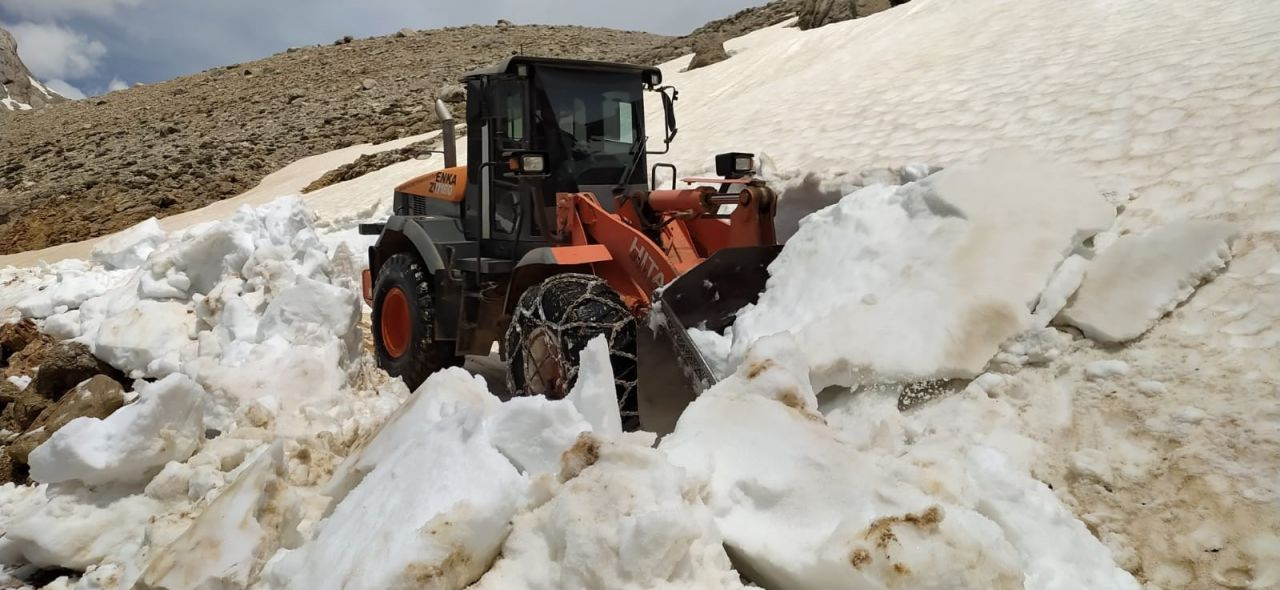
424	356
576	308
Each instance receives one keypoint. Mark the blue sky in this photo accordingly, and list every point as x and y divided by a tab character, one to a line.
90	46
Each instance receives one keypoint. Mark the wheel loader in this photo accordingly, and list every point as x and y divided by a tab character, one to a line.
554	233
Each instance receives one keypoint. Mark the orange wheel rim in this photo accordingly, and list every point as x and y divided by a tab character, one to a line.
396	329
544	365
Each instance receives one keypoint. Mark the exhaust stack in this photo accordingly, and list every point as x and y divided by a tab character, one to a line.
448	134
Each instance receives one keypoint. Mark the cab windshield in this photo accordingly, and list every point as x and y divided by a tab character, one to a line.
595	125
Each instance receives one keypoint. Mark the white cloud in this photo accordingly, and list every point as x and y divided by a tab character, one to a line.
47	9
117	84
65	89
51	51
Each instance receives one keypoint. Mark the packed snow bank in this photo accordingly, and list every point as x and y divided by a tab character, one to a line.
926	280
252	337
250	308
129	446
1139	279
803	505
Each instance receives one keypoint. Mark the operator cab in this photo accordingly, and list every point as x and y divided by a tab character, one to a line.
585	118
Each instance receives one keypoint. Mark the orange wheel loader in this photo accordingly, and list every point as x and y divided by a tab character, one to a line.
552	234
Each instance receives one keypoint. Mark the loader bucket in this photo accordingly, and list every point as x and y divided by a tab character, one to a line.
672	371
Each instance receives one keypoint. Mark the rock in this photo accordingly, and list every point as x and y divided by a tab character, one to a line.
814	13
344	40
707	52
22	410
502	22
15	337
66	364
294	94
368	84
6	468
96	398
817	13
452	93
406	32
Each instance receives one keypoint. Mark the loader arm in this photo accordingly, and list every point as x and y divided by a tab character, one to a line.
691	268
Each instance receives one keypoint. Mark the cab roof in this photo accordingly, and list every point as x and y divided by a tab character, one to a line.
511	65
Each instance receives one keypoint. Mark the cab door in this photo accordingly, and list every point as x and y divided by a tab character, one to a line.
509	131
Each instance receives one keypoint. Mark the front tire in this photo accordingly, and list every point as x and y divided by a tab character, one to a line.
403	323
553	323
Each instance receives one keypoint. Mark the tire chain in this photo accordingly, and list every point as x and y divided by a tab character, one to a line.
599	299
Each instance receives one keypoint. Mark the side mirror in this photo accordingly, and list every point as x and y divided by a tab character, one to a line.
669	96
524	164
668	105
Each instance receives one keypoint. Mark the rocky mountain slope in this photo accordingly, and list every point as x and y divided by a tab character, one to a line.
100	165
19	90
95	166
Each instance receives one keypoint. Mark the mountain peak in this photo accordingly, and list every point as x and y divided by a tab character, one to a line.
19	90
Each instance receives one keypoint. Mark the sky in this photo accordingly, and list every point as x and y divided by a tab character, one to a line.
88	47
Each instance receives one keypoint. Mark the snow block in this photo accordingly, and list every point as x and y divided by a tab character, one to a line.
224	547
594	394
130	445
131	247
432	513
533	432
629	520
1139	279
926	280
146	340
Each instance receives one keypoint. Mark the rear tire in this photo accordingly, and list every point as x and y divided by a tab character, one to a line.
404	320
553	322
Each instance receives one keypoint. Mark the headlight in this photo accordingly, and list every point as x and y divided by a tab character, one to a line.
735	164
533	163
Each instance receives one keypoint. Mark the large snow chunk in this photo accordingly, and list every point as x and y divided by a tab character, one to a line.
81	527
225	546
72	287
533	432
594	394
802	506
146	340
131	247
444	394
1139	279
308	311
131	444
628	520
925	280
432	513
